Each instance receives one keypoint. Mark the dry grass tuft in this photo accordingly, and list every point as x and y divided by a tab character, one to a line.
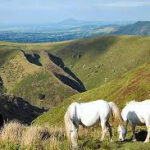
32	137
12	132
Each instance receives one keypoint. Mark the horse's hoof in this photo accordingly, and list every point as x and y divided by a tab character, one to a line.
111	140
146	141
134	140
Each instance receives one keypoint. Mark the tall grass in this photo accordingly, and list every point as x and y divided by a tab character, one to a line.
15	135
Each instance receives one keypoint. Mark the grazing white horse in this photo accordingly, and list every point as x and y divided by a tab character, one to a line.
88	114
135	113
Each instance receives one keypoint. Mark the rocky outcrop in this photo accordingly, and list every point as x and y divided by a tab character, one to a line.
16	108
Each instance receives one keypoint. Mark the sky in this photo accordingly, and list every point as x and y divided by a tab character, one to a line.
47	11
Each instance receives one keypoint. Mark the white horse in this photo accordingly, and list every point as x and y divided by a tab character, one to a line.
135	113
88	114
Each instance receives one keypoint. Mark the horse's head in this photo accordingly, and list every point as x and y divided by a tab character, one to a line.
122	132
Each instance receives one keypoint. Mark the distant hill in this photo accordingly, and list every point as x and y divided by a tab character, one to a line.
68	29
138	28
72	29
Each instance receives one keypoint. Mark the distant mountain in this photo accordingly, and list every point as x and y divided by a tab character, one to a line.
138	28
78	23
71	29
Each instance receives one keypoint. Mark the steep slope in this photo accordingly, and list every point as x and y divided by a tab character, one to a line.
133	85
16	108
138	28
99	60
79	65
25	76
96	61
7	50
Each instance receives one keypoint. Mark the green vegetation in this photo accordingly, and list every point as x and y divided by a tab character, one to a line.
91	62
17	136
29	81
96	61
133	85
100	60
42	89
114	68
138	28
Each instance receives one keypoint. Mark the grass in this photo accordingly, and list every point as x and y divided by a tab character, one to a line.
132	85
17	136
98	62
42	83
29	81
94	61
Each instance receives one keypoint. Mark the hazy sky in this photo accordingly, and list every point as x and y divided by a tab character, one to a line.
44	11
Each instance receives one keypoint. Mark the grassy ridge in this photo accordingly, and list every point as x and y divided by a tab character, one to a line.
132	85
94	61
36	84
98	60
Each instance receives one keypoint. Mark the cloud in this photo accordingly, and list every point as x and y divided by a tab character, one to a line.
124	4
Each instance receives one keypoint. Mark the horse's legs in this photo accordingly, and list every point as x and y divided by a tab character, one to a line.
110	130
104	129
74	138
133	130
148	132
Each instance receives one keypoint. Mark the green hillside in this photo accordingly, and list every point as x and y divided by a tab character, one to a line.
98	60
22	76
76	65
133	85
138	28
53	75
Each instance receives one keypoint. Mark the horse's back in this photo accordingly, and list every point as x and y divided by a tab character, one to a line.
91	112
137	111
135	105
99	105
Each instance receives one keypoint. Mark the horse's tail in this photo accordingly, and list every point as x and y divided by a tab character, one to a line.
116	112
